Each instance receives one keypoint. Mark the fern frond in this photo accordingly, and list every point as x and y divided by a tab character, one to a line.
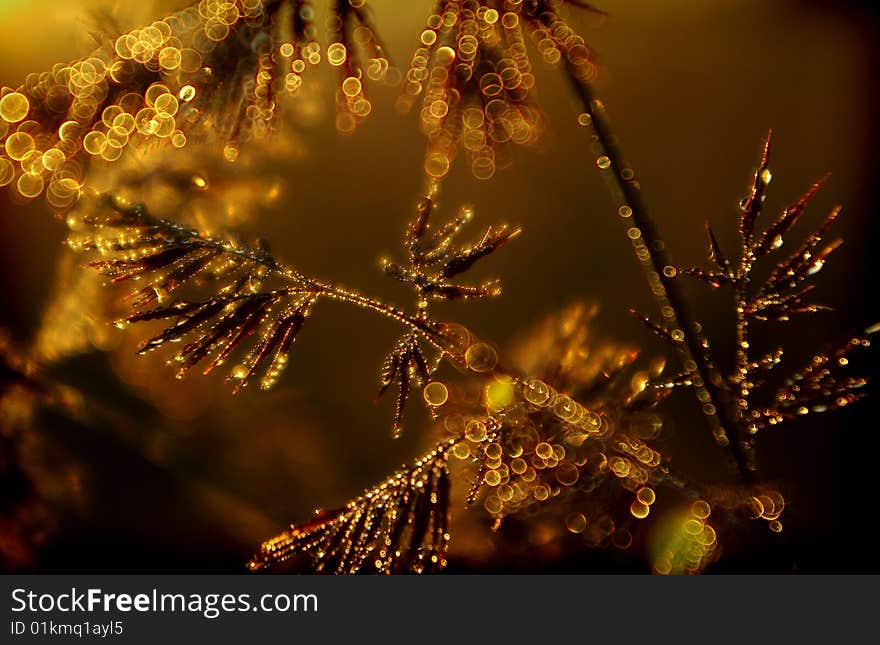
823	384
252	298
138	247
400	525
406	366
783	294
434	258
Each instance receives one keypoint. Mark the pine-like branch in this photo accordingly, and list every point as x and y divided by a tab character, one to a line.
779	297
398	526
435	259
167	256
822	385
256	300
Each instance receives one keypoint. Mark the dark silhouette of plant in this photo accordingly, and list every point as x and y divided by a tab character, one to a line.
36	478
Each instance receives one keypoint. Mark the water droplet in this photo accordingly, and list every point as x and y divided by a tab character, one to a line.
646	496
536	392
475	431
351	86
481	357
639	510
336	55
18	145
14	107
576	522
435	393
700	509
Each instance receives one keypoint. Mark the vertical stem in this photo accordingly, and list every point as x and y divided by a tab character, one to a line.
742	342
718	406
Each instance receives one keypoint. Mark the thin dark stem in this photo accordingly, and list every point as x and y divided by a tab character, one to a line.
718	406
742	341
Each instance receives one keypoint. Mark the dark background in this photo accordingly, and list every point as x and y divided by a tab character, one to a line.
181	477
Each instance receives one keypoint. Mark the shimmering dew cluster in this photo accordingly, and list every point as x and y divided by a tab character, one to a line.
130	91
353	34
30	158
529	458
216	71
767	504
520	469
580	423
194	59
473	73
687	543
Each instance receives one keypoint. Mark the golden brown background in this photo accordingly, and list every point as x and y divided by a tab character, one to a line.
692	86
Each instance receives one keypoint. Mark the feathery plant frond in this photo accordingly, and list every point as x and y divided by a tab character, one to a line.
401	525
167	256
405	366
577	435
433	261
253	295
823	384
723	400
580	417
718	407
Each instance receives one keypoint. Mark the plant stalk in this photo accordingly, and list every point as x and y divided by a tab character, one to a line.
718	406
